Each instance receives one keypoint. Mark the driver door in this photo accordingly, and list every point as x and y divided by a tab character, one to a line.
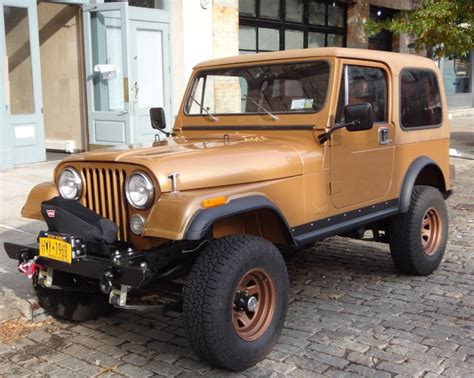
362	161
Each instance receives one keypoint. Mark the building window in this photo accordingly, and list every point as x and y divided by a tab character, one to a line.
365	84
156	4
269	25
384	40
457	75
420	103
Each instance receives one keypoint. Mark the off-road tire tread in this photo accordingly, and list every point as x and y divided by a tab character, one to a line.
204	286
404	234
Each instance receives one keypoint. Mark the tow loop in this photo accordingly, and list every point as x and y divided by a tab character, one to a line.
29	268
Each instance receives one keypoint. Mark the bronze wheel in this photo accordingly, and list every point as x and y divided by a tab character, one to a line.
431	231
254	304
235	301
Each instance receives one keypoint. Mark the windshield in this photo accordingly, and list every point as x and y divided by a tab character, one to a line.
271	88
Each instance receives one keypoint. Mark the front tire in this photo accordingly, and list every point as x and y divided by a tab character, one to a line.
235	301
418	237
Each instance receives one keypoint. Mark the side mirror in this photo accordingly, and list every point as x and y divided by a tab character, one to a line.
358	117
157	117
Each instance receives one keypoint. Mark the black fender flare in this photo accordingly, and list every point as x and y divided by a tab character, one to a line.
409	180
204	218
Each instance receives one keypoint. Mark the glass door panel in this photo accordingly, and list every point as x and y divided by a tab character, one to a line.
20	71
150	68
107	54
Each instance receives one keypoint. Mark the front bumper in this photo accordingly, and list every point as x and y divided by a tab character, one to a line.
123	269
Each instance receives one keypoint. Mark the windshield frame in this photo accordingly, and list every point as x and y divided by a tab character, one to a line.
194	80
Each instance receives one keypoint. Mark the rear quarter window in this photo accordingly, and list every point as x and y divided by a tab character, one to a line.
420	100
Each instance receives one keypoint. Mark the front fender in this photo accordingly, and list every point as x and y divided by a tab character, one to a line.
41	192
204	218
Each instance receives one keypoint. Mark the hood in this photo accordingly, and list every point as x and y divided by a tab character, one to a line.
208	162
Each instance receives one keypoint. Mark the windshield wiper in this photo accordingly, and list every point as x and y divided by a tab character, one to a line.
212	116
261	107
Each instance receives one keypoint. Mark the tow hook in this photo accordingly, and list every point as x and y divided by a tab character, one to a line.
29	267
106	281
119	297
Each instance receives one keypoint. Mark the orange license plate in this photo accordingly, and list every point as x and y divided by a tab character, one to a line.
55	248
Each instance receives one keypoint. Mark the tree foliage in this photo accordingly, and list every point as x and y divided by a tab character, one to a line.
442	27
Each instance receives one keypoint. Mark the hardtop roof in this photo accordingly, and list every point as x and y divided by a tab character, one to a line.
394	60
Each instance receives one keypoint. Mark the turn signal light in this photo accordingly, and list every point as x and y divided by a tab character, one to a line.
213	202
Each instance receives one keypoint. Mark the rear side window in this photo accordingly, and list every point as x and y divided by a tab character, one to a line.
420	101
363	84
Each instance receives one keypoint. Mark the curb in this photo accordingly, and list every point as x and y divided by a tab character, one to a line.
28	307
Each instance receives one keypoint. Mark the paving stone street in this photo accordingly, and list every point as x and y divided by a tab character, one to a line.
351	314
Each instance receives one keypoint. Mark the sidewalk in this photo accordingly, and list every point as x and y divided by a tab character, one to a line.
462	135
15	184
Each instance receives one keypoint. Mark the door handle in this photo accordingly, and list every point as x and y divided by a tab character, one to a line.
135	89
383	135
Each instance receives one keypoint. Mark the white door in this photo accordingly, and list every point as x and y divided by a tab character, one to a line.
149	74
149	68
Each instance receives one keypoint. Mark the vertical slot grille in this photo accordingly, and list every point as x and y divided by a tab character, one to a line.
105	196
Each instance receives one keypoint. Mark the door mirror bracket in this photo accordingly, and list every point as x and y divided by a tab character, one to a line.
358	117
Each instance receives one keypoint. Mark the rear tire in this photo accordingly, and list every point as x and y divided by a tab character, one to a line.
418	237
72	305
219	321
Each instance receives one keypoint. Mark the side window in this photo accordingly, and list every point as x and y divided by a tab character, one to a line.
364	84
420	101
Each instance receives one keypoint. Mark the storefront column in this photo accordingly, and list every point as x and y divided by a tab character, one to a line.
357	14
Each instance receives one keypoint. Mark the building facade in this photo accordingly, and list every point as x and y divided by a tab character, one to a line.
82	74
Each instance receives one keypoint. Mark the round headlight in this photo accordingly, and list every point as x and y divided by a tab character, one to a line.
137	224
70	184
139	190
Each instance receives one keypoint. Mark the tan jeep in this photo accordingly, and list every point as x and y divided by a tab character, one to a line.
269	152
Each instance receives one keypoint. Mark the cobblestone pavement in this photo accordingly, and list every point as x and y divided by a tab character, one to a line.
350	314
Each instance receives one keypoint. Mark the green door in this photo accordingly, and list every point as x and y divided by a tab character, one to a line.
22	130
127	70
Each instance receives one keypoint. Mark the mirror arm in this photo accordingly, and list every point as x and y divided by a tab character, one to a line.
322	138
168	134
